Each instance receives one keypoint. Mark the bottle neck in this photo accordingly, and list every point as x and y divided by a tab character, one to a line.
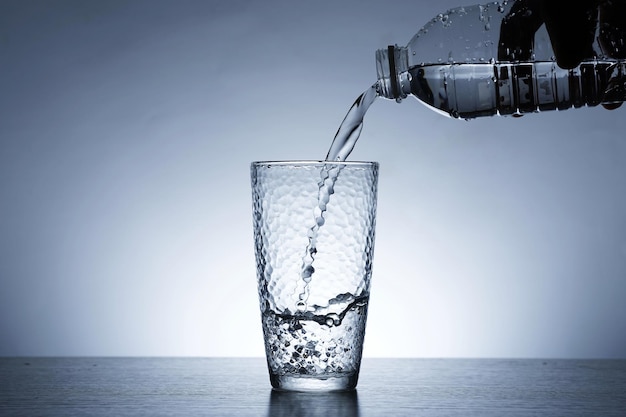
392	66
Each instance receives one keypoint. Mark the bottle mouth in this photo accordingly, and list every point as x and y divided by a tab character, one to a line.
392	70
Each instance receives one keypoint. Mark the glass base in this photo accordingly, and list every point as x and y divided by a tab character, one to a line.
346	382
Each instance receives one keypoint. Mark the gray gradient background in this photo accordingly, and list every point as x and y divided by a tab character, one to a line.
126	132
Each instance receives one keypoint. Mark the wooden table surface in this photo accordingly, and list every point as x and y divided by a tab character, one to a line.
240	387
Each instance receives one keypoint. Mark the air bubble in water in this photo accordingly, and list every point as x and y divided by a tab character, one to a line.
446	21
308	271
333	319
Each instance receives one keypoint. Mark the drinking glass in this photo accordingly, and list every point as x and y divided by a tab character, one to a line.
314	224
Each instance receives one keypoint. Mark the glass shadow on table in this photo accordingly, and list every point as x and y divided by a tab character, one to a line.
313	404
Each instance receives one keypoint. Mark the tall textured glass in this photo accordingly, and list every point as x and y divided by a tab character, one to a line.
314	228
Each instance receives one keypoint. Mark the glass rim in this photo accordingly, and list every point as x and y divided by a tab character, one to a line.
303	162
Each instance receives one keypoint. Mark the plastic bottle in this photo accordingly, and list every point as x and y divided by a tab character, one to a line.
458	64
